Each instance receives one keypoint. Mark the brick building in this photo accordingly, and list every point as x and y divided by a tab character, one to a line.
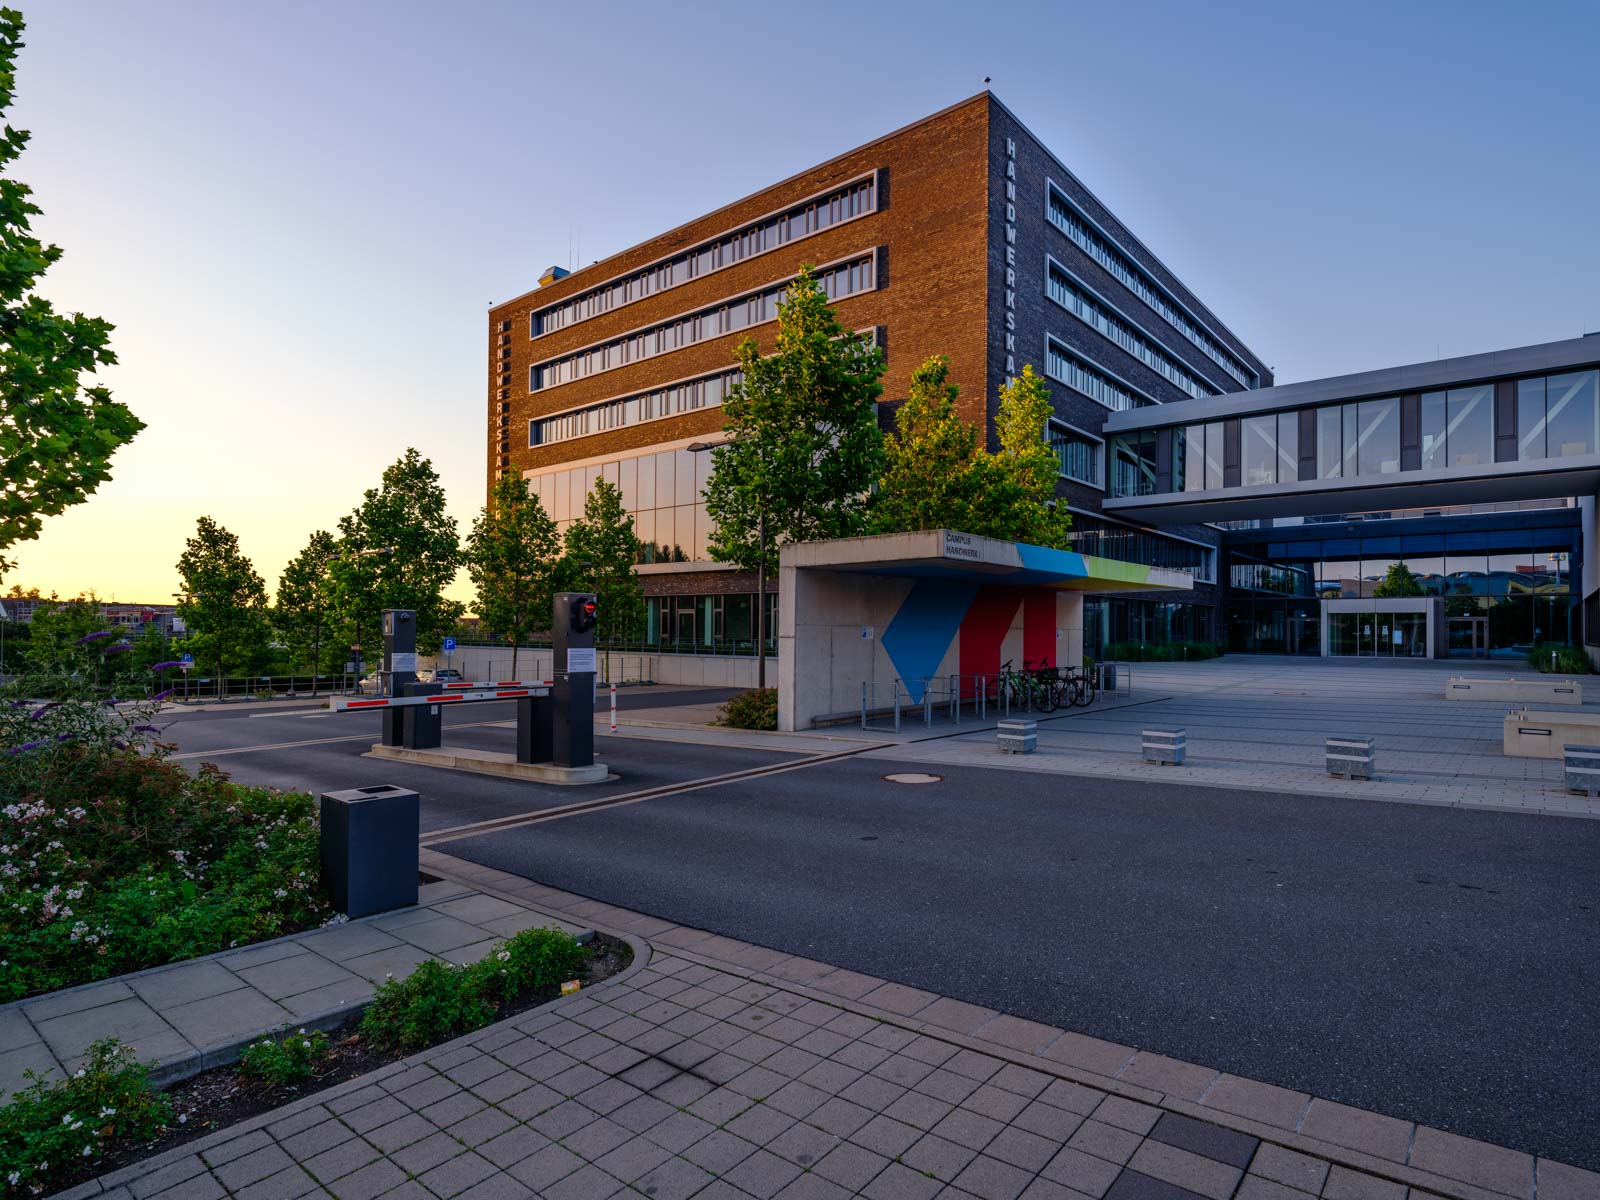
959	235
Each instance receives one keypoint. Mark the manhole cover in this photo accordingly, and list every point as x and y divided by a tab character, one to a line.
913	777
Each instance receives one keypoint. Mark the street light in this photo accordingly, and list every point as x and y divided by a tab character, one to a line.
761	573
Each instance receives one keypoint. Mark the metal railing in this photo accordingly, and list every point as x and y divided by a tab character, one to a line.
731	648
193	687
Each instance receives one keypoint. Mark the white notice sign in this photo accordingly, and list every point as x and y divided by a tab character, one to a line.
579	659
402	662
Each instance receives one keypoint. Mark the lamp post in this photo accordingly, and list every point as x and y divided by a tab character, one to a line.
761	574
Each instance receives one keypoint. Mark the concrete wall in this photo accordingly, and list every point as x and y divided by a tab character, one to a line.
839	630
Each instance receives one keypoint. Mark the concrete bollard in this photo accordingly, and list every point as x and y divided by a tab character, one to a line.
1166	746
1582	768
369	848
1350	757
1018	737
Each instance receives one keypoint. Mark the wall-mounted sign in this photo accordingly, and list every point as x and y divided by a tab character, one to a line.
580	659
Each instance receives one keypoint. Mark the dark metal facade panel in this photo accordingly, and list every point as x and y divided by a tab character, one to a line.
1410	431
1308	444
1231	435
1505	421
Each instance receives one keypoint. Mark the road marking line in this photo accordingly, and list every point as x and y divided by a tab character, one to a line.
500	824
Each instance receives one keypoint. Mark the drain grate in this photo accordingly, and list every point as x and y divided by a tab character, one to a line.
913	777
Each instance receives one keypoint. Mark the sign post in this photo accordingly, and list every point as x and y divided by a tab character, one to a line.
450	650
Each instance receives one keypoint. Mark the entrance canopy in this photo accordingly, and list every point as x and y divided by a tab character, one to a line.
937	609
946	554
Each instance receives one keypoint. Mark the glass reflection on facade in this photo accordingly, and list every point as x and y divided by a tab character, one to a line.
1556	416
663	489
1504	590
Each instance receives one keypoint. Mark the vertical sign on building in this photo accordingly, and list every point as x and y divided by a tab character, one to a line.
1011	259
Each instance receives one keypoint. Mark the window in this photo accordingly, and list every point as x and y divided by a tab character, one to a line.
853	199
1098	245
1260	450
1133	464
1288	447
1330	443
1199	453
1434	425
1469	429
1077	453
1379	437
837	282
1571	414
1084	304
1079	374
686	396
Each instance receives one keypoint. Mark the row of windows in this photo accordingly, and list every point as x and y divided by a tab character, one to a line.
1077	454
1557	416
730	317
1456	573
1080	375
1082	303
1088	237
1105	540
688	396
847	203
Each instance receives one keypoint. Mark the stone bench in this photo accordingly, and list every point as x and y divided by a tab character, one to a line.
1504	688
1165	746
1582	765
1350	757
1533	733
1018	737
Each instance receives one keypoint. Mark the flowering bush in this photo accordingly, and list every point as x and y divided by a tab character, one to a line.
113	858
295	1056
438	1000
50	1129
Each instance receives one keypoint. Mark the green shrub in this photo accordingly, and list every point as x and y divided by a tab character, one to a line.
114	859
51	1129
1162	651
294	1056
438	1001
755	709
1569	660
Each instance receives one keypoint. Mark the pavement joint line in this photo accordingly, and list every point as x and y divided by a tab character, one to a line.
1401	1173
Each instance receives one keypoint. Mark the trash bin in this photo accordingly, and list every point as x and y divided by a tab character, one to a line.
369	848
1108	677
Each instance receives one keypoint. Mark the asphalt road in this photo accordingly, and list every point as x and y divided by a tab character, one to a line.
1429	963
319	752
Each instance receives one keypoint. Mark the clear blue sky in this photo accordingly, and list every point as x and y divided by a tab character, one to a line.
297	213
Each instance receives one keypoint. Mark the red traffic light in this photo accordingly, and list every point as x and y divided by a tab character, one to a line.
582	614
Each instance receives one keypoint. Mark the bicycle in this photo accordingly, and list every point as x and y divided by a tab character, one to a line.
1025	687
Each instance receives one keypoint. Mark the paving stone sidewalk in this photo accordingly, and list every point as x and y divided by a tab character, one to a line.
722	1070
192	1015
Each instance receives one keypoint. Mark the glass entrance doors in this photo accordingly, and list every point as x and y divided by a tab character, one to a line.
1469	637
1378	634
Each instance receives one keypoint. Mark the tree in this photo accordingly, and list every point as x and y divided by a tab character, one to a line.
398	549
804	446
602	549
928	476
305	616
56	437
511	558
1018	485
1399	581
937	476
225	601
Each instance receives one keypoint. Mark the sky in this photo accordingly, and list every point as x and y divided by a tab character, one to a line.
296	214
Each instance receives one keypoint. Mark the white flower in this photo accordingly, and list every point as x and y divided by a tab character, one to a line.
183	1118
307	1045
108	1112
14	1178
87	1150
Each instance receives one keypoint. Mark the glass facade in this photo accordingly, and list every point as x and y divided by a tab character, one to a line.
1078	454
1505	590
1556	416
661	488
853	200
718	624
729	316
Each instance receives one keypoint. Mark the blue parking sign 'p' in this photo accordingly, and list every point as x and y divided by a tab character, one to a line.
449	645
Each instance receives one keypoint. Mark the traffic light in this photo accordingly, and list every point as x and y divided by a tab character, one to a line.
582	614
